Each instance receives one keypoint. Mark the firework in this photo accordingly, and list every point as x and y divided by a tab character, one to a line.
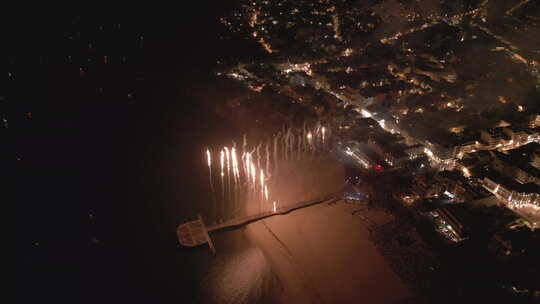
253	175
209	161
228	162
222	161
227	157
262	181
236	172
267	151
259	168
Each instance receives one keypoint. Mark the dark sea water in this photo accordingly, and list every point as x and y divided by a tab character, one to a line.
101	181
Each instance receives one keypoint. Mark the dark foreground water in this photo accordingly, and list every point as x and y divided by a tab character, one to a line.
101	180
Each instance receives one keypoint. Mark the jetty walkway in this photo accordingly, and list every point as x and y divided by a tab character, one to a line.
195	233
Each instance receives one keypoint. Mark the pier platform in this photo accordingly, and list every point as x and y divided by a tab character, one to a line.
195	233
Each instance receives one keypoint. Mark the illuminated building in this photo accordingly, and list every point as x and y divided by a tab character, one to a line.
524	199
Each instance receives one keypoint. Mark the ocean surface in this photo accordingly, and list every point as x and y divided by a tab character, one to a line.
102	182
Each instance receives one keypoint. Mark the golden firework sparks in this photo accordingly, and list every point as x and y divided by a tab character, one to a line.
253	173
227	157
236	173
248	165
222	161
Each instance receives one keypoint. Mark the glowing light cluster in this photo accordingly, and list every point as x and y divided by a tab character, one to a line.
250	173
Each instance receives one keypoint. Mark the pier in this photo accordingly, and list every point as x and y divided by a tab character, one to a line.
195	233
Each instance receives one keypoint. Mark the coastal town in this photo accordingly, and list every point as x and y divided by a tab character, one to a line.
435	103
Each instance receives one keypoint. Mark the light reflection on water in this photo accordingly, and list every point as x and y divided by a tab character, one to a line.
240	272
238	275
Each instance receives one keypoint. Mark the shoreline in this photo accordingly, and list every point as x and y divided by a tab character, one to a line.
301	249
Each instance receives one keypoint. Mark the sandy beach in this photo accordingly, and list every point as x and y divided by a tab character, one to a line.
322	254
